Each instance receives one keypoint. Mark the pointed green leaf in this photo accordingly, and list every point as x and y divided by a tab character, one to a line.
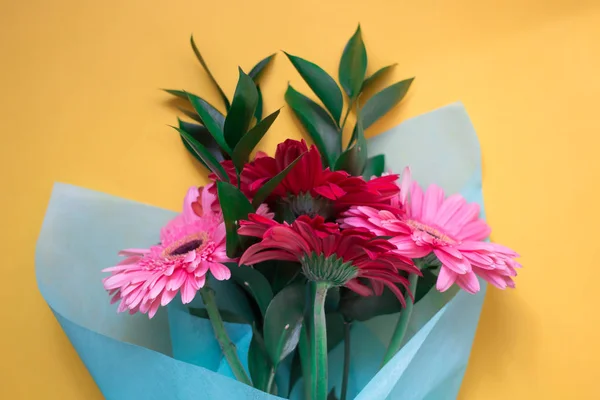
256	71
259	105
259	363
212	119
353	65
254	283
266	189
242	109
182	94
212	78
332	395
335	329
227	316
425	284
322	84
235	207
201	134
283	322
205	155
372	80
191	115
241	152
382	102
363	308
318	124
374	167
353	160
332	301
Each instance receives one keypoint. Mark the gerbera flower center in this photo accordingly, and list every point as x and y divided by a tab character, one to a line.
185	245
305	204
318	268
431	231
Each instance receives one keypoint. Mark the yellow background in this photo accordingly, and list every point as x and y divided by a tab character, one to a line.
79	104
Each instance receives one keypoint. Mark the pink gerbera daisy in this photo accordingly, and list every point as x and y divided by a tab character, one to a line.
341	257
447	226
190	246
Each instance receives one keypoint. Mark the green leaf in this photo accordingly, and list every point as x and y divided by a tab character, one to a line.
363	308
353	65
280	273
201	134
335	330
283	322
259	105
266	189
383	101
318	123
322	84
241	152
242	109
212	119
332	395
372	80
191	115
332	301
256	71
235	207
254	283
182	94
354	159
295	369
204	154
425	284
374	166
212	78
259	363
227	316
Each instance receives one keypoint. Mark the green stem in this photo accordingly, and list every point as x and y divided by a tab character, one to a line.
304	348
403	320
271	379
346	116
318	340
228	348
346	360
350	105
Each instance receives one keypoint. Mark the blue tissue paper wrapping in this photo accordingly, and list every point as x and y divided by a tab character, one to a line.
175	355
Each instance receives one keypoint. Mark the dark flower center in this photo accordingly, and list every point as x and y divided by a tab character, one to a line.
186	247
304	204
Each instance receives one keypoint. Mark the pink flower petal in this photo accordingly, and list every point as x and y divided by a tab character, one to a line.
405	186
153	308
167	296
176	280
433	200
220	272
187	291
460	266
468	282
446	278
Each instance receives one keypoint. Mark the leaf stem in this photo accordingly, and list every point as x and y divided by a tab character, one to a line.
228	348
318	339
350	106
346	372
304	349
271	379
403	320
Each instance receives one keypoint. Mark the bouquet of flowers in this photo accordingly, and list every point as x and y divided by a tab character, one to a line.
317	273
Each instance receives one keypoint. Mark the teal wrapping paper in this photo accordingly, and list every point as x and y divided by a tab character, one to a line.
175	355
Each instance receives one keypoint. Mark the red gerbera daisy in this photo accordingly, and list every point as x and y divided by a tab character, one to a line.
309	189
341	257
